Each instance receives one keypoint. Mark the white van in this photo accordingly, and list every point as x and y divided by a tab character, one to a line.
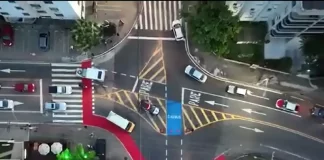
120	122
91	73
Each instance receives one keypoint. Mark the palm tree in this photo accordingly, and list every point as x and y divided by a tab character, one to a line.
86	34
77	154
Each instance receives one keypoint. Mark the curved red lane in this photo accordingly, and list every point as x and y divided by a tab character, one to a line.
93	120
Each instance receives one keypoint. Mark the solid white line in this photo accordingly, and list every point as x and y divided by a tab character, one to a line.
259	96
63	70
67	121
3	87
140	21
20	95
160	16
66	64
41	95
182	95
145	14
259	105
67	80
170	14
297	98
76	91
165	15
74	106
66	95
20	111
64	75
67	116
68	100
150	14
135	85
155	15
174	10
152	38
24	62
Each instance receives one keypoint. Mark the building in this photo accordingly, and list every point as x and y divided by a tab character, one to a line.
29	11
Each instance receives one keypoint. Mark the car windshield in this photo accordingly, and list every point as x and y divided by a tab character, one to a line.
25	87
54	105
63	89
285	103
177	26
99	74
5	37
191	71
5	103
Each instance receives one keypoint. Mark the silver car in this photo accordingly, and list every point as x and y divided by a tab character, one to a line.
60	106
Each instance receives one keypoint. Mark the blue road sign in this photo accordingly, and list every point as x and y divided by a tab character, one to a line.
174	118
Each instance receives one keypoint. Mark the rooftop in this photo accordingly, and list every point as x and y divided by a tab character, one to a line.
309	5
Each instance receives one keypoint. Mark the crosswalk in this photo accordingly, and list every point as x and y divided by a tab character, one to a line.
64	74
158	15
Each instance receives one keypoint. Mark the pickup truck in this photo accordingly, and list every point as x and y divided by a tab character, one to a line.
60	89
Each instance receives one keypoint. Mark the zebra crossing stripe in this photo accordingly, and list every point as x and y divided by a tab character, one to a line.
64	75
66	64
66	95
67	80
63	70
68	116
67	121
67	111
73	106
68	100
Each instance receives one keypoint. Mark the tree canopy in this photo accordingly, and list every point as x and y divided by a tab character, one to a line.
108	29
86	34
212	26
312	46
77	154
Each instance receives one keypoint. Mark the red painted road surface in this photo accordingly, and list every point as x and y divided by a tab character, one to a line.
220	157
93	120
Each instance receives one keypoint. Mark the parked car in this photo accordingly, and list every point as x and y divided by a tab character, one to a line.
148	106
176	27
317	111
197	75
287	106
25	87
44	41
236	90
60	106
100	148
7	35
6	104
60	89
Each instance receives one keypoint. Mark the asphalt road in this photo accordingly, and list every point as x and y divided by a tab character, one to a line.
27	71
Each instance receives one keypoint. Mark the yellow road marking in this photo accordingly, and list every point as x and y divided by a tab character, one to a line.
119	98
186	115
154	53
151	67
162	121
224	116
203	112
193	111
160	70
130	101
152	121
162	79
233	116
160	103
216	119
164	67
152	81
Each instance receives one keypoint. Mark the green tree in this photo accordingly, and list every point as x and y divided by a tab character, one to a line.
77	154
108	29
86	34
312	46
212	26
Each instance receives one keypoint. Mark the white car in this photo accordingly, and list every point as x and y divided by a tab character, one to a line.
287	106
91	73
235	90
61	106
6	104
192	72
176	27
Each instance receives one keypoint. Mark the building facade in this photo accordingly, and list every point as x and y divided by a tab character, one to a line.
286	19
29	11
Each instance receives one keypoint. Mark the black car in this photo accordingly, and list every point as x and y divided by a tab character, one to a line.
148	106
43	41
100	149
317	112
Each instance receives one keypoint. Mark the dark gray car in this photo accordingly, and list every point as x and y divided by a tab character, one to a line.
44	41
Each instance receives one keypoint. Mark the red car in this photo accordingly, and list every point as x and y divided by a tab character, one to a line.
25	87
7	35
287	106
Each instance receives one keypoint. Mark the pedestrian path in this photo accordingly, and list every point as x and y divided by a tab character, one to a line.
158	15
64	74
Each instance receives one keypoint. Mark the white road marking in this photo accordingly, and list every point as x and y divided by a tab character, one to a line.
64	75
160	15
123	74
150	14
259	105
135	85
281	150
145	13
297	98
140	17
152	38
64	70
67	121
20	95
170	12
66	64
165	15
66	95
67	80
67	116
41	95
174	9
4	87
20	111
155	15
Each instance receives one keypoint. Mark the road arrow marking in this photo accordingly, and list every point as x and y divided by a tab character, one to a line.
251	111
3	87
251	94
213	103
252	129
16	103
10	70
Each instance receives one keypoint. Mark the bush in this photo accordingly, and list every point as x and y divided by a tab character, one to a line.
248	53
283	64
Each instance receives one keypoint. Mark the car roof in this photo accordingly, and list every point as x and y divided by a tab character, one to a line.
197	74
291	106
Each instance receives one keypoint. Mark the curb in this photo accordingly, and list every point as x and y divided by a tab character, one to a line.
111	52
221	78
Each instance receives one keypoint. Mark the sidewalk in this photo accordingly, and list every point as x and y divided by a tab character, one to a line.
245	73
26	49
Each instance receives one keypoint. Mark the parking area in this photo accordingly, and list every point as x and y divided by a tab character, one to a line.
24	102
26	43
